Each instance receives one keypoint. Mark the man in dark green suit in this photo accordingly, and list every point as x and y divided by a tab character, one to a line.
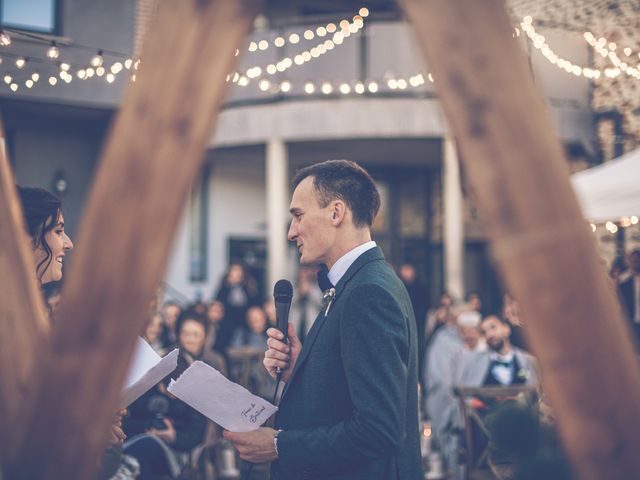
350	408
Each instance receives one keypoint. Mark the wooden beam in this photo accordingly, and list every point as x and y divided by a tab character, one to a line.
23	322
152	156
542	245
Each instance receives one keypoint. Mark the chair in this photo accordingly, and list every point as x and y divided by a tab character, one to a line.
477	438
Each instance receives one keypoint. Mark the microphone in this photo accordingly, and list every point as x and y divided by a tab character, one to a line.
282	294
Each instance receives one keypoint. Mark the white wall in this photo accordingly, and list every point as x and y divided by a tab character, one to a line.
237	199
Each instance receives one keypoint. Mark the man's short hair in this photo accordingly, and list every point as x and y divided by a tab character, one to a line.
347	181
500	318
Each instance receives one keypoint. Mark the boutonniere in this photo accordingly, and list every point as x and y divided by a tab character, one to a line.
327	300
522	373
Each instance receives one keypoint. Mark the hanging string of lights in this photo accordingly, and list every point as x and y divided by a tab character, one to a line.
601	46
359	87
347	28
60	72
608	50
309	34
540	43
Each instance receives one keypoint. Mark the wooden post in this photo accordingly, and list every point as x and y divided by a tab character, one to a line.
541	243
152	155
23	323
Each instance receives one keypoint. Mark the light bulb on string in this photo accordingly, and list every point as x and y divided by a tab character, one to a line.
309	88
8	79
21	62
279	42
97	59
28	83
53	81
308	35
321	31
116	68
53	52
264	84
90	72
35	76
345	89
64	66
373	87
359	88
285	86
326	88
364	12
128	63
82	74
100	71
5	39
110	78
14	87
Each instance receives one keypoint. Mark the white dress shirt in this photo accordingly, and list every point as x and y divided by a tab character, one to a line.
344	262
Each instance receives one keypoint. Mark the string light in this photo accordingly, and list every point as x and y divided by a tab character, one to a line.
309	34
609	51
14	87
285	86
539	43
53	81
373	87
5	39
326	88
8	79
97	60
53	52
28	83
21	62
35	76
303	57
309	88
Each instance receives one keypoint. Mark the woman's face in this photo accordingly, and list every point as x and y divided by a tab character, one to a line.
192	335
154	328
256	320
59	243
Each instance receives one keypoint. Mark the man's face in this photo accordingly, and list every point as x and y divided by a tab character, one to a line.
495	332
311	226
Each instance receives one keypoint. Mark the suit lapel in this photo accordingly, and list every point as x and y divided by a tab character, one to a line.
361	261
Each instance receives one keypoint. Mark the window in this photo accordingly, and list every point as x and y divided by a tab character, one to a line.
36	15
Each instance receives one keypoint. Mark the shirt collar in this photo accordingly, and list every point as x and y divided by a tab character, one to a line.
342	265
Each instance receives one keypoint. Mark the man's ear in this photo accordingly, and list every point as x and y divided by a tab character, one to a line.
338	212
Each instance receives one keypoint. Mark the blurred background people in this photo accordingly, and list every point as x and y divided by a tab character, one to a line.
170	313
307	301
237	293
629	292
153	333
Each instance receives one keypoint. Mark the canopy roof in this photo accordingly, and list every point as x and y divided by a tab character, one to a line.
610	191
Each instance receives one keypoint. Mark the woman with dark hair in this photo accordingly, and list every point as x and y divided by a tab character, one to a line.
45	225
50	243
162	428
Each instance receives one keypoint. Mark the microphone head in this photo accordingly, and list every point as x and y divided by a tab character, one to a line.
283	291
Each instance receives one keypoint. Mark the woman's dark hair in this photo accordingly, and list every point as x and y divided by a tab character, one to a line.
194	316
347	181
41	214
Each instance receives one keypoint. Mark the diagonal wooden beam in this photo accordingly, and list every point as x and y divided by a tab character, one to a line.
542	246
152	155
23	323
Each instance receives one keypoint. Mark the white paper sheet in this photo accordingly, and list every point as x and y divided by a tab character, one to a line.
145	371
228	404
